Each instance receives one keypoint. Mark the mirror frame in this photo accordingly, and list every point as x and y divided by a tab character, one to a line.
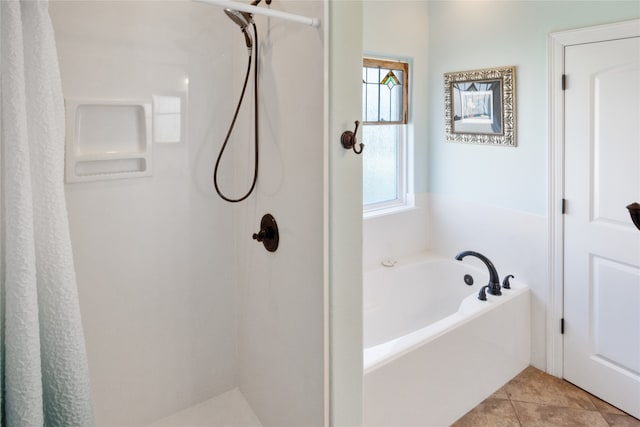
507	78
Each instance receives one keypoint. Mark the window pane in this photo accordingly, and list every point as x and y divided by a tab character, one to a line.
373	75
385	104
371	95
383	92
396	100
380	163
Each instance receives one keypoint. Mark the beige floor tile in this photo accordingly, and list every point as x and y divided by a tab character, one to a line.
624	420
501	393
490	413
535	415
535	386
536	399
604	407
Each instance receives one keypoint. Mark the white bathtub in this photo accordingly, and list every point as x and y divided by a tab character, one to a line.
433	350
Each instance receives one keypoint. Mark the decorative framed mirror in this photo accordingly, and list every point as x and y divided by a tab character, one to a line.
480	106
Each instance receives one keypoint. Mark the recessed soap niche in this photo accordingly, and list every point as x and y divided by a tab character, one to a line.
108	139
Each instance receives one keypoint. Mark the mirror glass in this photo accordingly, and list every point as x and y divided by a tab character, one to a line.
477	107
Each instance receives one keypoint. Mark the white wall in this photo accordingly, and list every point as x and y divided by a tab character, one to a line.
154	256
281	318
394	236
344	217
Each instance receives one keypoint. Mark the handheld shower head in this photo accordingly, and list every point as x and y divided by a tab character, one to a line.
242	19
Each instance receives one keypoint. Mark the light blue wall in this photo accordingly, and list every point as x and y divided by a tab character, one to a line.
482	34
397	30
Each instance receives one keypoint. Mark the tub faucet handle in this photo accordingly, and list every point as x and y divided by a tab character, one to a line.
505	282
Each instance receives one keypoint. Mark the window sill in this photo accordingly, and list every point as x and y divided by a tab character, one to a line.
409	205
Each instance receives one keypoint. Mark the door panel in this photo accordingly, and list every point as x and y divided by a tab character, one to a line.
616	91
602	247
615	316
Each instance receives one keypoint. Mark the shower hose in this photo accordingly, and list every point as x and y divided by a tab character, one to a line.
233	122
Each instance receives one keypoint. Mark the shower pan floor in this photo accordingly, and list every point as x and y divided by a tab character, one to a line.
226	409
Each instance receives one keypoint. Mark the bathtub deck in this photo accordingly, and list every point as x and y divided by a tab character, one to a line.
226	409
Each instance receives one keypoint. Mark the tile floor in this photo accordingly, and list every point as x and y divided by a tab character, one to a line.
536	399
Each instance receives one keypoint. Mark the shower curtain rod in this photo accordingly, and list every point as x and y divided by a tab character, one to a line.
229	4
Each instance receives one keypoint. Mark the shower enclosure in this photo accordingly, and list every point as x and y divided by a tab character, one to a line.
178	303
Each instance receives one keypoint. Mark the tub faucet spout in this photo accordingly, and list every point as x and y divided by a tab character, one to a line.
493	287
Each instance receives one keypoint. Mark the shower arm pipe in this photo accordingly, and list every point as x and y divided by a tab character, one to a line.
229	4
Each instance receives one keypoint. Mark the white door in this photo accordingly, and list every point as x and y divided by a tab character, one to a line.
602	246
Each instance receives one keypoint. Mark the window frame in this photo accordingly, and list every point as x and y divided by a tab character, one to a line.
402	200
369	62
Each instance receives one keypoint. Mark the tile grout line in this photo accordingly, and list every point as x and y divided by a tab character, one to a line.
600	411
561	407
603	417
514	409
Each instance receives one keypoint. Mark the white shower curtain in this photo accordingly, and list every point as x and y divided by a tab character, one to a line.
44	374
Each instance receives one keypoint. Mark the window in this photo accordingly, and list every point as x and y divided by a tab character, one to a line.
385	92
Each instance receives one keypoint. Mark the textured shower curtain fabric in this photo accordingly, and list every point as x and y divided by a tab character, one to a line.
44	374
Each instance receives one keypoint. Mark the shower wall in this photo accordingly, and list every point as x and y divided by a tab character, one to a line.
178	302
281	320
155	256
